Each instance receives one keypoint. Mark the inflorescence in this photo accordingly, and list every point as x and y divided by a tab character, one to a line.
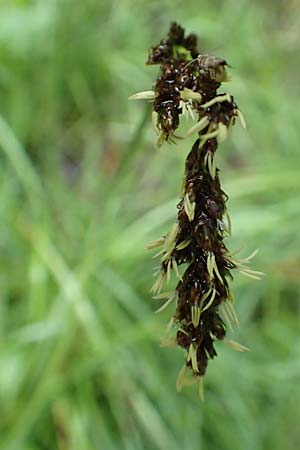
187	86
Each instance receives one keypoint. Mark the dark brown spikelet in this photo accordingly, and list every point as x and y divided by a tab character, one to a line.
188	85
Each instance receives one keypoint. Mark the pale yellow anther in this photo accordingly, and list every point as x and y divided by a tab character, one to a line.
222	135
176	270
224	315
145	95
231	312
229	225
170	299
169	266
238	347
170	238
210	302
182	187
210	135
192	356
156	243
199	126
158	284
183	244
241	119
191	112
195	313
189	207
218	99
179	382
188	94
210	160
164	295
154	117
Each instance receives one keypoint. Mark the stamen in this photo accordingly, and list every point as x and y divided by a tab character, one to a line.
180	378
212	267
241	119
183	244
163	295
189	381
168	329
189	207
222	132
214	167
216	270
205	296
161	252
248	258
207	136
158	284
156	270
156	243
145	95
238	347
169	266
231	312
171	139
250	275
168	342
154	117
211	164
199	126
210	302
253	272
229	226
166	256
182	106
195	313
175	267
172	297
231	123
206	353
240	264
192	356
225	316
190	110
183	331
182	188
217	99
208	159
188	94
170	238
205	159
209	265
170	242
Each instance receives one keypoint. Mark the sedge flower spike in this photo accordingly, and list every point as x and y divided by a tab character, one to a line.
187	86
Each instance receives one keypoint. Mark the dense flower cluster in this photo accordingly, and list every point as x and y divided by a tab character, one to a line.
188	85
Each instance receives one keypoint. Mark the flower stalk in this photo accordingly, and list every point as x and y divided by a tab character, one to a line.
188	86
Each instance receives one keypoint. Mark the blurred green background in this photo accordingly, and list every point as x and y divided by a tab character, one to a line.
83	189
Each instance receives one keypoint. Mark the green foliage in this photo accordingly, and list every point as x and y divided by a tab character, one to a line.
83	190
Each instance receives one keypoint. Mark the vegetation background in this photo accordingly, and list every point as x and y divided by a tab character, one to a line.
83	189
